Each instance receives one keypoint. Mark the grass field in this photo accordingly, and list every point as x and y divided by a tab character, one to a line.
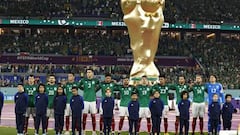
12	131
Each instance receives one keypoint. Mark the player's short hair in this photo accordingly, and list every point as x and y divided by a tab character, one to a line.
228	95
144	76
20	84
181	76
71	73
31	75
89	69
74	88
108	75
41	84
162	76
51	75
183	93
213	75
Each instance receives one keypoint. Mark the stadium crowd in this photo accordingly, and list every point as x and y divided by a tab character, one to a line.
176	11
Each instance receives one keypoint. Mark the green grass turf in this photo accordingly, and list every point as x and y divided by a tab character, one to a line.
12	131
8	102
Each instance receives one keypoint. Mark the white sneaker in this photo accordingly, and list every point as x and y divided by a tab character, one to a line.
67	133
77	133
44	134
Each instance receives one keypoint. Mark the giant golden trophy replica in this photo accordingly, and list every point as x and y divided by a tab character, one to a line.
144	20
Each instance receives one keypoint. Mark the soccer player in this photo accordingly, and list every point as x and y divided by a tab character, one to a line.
107	84
144	92
89	86
156	107
227	111
68	90
77	105
1	104
183	107
31	90
21	103
214	114
180	87
198	105
214	88
41	103
163	88
125	96
107	107
51	89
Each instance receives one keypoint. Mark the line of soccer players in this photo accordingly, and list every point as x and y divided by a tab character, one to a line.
44	101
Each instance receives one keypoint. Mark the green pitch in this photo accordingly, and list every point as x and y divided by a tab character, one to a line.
12	131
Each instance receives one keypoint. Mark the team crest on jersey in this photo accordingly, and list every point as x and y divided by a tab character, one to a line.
202	87
154	101
55	88
182	103
34	88
93	82
16	96
131	104
105	101
72	100
212	105
38	97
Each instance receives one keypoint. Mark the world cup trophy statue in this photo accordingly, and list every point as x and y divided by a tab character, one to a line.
144	20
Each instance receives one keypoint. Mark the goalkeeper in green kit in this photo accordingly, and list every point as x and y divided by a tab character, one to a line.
31	90
51	89
89	86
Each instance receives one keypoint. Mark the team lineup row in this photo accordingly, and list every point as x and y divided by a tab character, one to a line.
145	93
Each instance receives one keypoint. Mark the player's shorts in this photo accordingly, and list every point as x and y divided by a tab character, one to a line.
123	111
50	112
89	107
31	111
165	111
144	112
68	111
198	109
177	113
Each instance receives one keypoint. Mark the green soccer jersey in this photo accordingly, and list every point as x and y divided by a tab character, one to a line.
125	94
51	92
144	93
89	87
198	93
31	90
163	90
179	89
103	86
68	89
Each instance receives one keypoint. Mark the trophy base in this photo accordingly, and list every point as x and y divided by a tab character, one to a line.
137	80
